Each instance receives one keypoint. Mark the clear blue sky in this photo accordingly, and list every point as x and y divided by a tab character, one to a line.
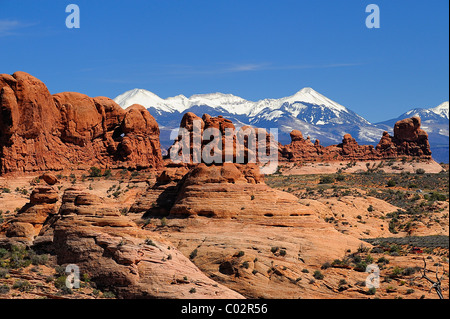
253	49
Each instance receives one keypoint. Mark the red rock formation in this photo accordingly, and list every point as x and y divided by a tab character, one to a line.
28	222
122	257
236	149
409	140
39	131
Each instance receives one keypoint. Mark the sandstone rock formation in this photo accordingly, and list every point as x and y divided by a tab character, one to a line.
30	219
234	144
409	140
231	191
39	131
120	256
254	239
110	248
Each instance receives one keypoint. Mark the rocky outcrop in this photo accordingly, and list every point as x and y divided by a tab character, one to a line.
409	140
120	256
233	145
30	219
232	191
39	131
235	191
110	248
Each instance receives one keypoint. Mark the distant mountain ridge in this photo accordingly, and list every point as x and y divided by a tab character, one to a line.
307	110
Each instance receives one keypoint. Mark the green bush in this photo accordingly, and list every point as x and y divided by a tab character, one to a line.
318	275
193	254
372	291
420	171
326	180
391	183
22	285
95	172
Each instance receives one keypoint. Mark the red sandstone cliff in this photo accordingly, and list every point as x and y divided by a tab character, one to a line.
39	131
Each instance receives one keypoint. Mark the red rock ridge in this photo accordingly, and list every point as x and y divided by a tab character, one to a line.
409	140
41	132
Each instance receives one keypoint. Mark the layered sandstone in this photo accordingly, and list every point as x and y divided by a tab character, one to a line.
39	131
30	219
232	191
254	239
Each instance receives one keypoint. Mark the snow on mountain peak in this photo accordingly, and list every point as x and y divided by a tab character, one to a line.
441	110
307	104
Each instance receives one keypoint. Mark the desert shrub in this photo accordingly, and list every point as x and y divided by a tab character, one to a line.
397	271
108	294
193	254
3	273
383	261
408	271
409	291
22	285
361	266
369	259
240	253
4	289
420	171
107	173
282	252
326	180
60	282
370	208
325	265
95	172
372	291
318	275
391	183
245	264
38	259
342	282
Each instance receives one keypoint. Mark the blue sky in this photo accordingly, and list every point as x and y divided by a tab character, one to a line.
253	49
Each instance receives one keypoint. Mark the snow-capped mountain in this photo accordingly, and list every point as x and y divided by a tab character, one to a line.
316	114
307	110
306	104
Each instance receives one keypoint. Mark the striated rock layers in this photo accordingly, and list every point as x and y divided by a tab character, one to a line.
110	248
409	140
230	191
40	132
30	219
235	228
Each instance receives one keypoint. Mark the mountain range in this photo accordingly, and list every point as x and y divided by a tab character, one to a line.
307	110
